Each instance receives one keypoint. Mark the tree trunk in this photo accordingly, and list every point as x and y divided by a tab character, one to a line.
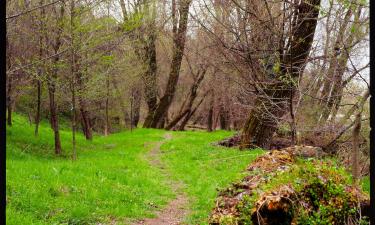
74	70
106	124
330	76
176	119
149	78
85	119
38	103
262	122
338	68
355	162
186	107
190	114
54	119
210	115
178	50
224	120
137	97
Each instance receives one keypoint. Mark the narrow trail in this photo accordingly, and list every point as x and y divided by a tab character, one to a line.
176	210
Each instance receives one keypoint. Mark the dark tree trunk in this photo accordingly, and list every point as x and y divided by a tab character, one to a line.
224	120
178	50
176	119
85	119
107	122
186	107
136	106
262	122
149	78
52	79
54	119
210	115
355	162
85	115
190	114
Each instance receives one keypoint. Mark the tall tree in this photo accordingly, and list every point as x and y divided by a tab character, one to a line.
155	117
261	123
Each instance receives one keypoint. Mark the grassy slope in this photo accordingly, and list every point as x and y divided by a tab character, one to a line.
112	179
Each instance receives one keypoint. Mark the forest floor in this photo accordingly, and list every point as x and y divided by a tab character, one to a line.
124	178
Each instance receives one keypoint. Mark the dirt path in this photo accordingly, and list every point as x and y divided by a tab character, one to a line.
176	210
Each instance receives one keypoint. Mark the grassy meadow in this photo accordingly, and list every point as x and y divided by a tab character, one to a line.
113	180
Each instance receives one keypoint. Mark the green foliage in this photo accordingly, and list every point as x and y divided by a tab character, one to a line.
366	184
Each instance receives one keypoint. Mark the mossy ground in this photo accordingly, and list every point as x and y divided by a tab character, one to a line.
305	192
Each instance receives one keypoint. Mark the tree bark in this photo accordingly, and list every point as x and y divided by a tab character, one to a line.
9	83
262	123
186	107
190	114
162	107
210	115
224	118
355	162
38	103
137	97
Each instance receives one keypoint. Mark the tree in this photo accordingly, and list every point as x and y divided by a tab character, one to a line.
155	117
261	123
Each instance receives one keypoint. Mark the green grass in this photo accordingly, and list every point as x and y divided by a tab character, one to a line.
366	184
112	180
204	168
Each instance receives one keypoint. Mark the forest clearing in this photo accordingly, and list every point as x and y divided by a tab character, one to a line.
169	112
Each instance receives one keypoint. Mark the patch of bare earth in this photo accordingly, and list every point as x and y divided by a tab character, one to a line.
176	210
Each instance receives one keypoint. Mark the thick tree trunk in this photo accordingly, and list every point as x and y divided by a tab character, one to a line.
178	51
262	122
149	78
